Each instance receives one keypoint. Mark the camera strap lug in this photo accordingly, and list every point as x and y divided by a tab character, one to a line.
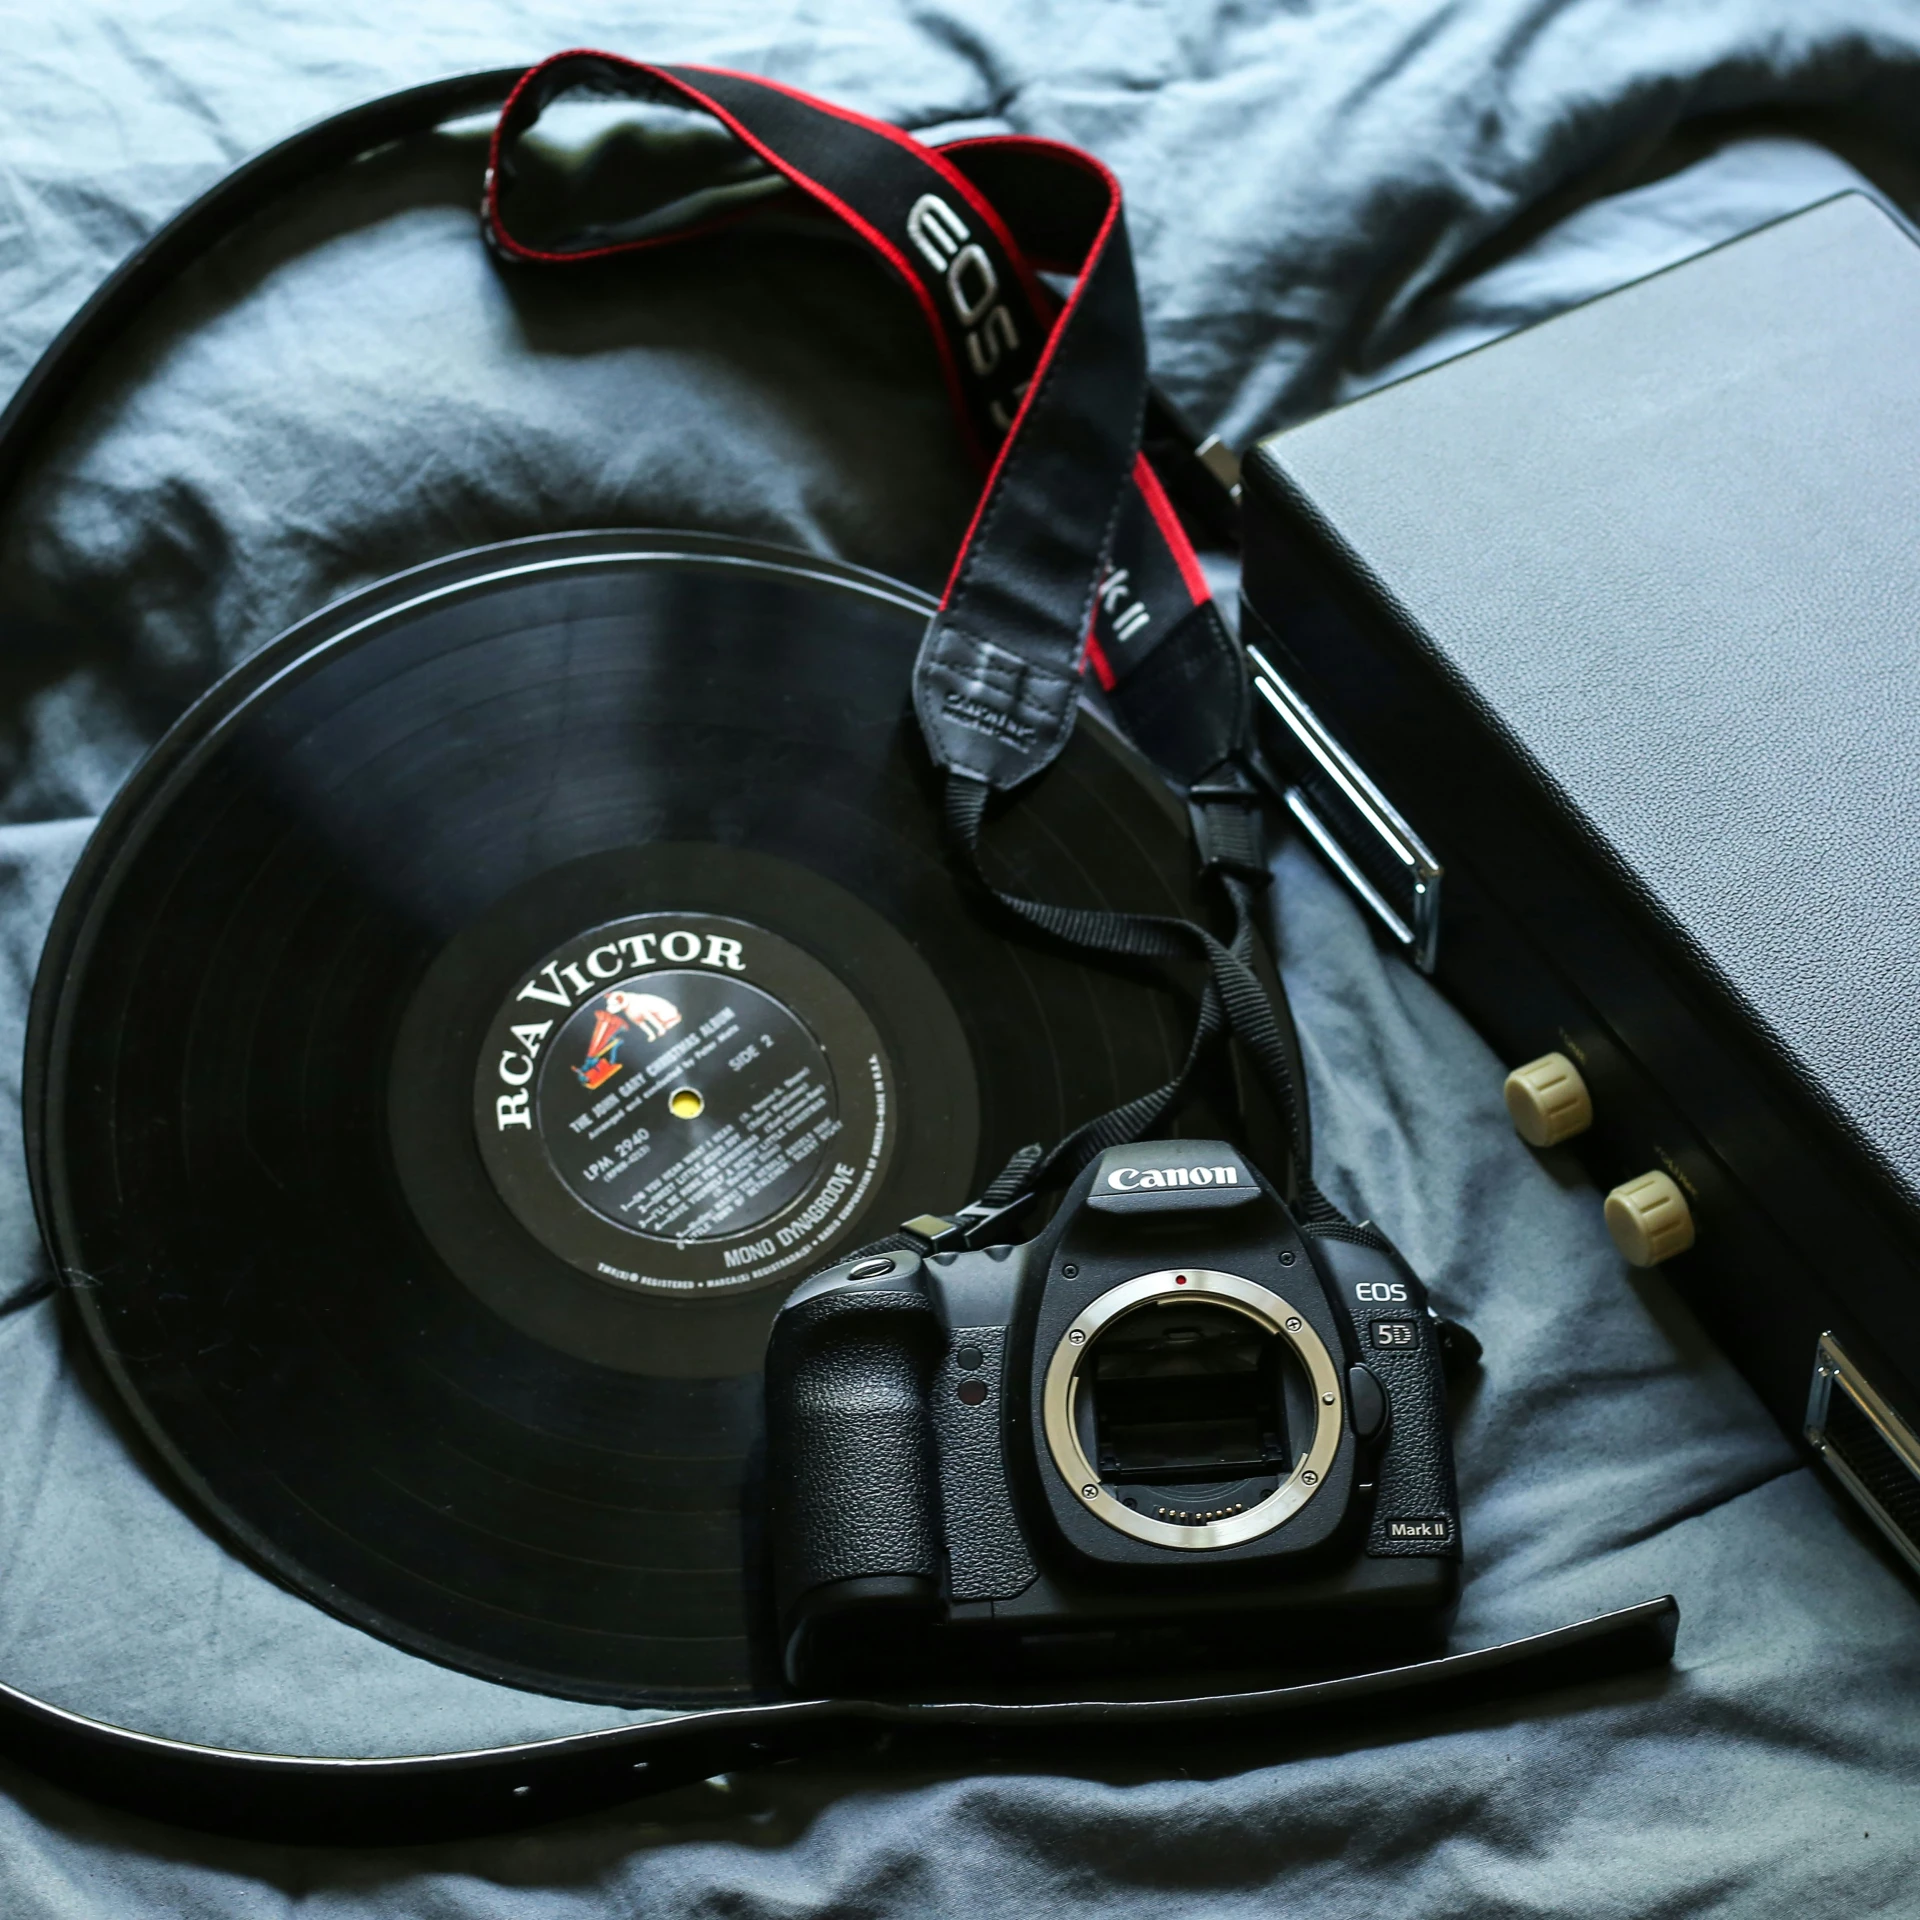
967	1229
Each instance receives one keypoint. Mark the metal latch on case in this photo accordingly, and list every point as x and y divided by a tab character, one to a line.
1352	823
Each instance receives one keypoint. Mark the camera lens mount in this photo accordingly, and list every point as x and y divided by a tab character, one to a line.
1126	1396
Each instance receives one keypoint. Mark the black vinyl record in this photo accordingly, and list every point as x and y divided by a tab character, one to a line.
480	1010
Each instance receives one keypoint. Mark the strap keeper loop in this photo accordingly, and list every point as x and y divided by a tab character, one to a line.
1229	828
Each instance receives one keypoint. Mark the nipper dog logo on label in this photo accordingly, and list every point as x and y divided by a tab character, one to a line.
683	1104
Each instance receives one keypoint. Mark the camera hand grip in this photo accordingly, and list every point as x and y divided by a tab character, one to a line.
851	1474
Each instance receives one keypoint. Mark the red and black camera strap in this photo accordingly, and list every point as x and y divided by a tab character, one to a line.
1074	557
1075	553
1048	209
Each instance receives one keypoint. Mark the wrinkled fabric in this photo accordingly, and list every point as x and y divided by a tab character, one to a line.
1322	196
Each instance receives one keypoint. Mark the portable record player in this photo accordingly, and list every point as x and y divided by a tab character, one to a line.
1590	657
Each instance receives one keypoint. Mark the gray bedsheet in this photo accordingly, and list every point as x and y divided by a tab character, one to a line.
1321	195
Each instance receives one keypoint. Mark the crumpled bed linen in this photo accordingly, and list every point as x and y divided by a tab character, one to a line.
1322	196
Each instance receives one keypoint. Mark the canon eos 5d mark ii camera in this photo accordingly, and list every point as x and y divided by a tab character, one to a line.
1174	1429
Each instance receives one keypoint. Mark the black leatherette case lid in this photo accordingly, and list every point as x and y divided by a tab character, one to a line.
1662	556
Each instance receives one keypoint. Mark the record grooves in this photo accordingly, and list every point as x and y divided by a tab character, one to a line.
479	1011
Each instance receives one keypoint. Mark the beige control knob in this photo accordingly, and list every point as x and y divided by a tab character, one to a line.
1548	1101
1649	1219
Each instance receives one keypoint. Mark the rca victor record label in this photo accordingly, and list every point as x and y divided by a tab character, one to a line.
683	1102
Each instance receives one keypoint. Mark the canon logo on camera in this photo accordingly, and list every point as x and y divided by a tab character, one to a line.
1127	1179
1171	1176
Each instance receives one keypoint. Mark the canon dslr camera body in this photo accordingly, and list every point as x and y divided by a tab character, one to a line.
1174	1429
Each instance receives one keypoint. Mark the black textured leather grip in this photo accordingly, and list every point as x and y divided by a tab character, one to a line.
1416	1508
850	1476
987	1557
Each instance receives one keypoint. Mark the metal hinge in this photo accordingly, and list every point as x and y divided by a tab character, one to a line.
1355	826
1871	1450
